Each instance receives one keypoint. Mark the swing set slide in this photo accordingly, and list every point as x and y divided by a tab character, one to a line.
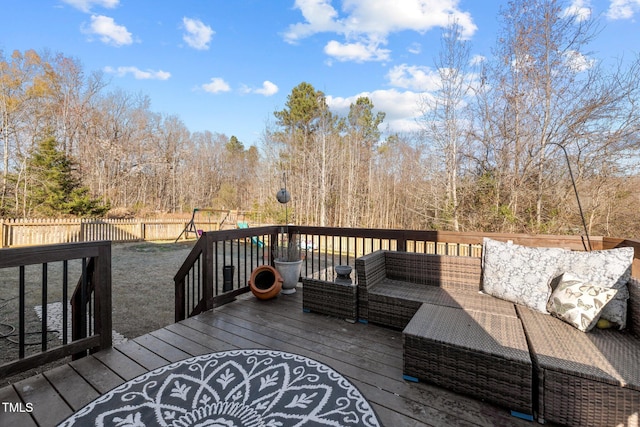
254	239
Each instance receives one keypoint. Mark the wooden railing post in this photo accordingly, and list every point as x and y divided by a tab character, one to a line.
401	243
103	320
207	270
180	312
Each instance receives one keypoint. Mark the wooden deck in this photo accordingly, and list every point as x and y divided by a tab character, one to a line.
368	355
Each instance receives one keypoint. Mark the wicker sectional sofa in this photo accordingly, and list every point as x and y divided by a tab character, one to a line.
531	363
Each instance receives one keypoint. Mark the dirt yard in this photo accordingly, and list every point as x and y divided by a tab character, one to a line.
142	283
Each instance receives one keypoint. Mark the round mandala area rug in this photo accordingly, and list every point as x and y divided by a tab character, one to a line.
236	388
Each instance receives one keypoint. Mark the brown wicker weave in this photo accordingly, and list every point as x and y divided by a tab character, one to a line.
477	353
325	293
583	379
438	271
393	302
633	315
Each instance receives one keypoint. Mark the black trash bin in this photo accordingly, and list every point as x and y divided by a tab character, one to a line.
227	278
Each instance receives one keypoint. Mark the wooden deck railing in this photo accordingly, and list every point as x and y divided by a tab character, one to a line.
199	281
42	275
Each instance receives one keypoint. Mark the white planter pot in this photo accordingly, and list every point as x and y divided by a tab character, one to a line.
290	272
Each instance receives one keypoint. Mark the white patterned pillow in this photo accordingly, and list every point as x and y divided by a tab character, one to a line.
578	302
606	269
519	274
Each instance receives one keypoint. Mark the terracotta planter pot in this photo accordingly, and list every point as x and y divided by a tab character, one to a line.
265	282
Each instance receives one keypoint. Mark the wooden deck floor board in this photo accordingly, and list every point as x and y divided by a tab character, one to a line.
188	346
351	338
14	416
398	410
220	342
49	408
265	337
339	333
97	374
161	348
142	356
71	386
369	356
273	336
120	363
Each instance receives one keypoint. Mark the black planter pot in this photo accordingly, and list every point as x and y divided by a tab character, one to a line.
227	278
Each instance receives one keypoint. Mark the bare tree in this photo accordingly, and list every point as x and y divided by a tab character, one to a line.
443	118
544	91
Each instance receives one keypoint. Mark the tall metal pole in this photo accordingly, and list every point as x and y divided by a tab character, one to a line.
286	203
575	189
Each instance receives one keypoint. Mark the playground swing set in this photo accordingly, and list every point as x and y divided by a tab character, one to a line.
223	216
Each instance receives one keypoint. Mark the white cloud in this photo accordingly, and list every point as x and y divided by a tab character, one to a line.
267	89
404	103
579	62
387	16
108	31
320	17
86	5
358	52
366	24
138	74
477	60
216	85
197	35
415	48
623	9
401	108
414	77
580	9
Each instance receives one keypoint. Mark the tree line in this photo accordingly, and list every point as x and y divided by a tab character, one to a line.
490	155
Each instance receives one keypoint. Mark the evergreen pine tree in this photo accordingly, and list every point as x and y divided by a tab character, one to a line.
54	188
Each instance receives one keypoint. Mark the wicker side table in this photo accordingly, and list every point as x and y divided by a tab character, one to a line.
325	293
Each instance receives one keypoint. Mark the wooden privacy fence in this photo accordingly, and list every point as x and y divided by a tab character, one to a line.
29	232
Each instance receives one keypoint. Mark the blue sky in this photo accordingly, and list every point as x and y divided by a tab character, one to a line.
227	65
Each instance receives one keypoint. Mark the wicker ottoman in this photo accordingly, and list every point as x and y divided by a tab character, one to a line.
484	355
325	293
584	379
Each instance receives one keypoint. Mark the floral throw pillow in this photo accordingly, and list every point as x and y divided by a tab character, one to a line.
607	269
578	302
519	274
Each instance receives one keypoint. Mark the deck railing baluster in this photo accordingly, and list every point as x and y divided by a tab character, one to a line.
21	321
65	302
44	334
